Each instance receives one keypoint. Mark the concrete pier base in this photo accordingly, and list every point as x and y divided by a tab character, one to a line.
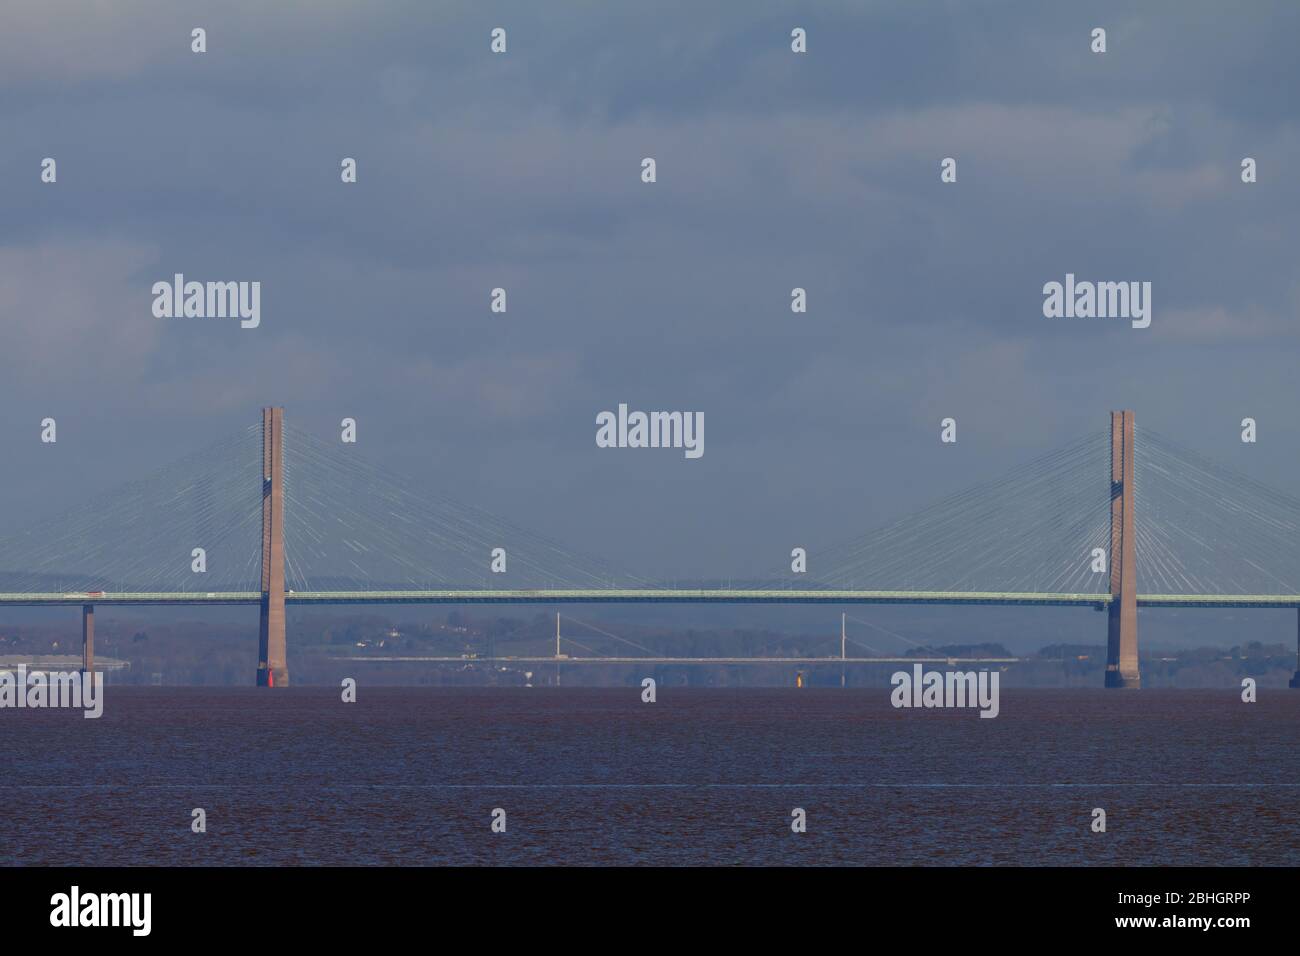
272	670
1295	681
1116	679
88	638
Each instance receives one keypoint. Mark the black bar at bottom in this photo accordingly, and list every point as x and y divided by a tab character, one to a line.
642	907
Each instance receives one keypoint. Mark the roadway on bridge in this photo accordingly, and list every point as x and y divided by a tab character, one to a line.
544	596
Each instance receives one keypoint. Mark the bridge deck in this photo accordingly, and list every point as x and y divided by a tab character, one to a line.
649	596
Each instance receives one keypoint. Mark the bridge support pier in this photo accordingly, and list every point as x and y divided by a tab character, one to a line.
1295	681
272	668
1122	641
87	638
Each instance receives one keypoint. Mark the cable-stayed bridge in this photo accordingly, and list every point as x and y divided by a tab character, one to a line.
275	516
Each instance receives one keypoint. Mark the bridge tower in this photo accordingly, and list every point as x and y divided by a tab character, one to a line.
1122	652
272	670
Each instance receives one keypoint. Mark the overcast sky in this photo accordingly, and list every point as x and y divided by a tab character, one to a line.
522	170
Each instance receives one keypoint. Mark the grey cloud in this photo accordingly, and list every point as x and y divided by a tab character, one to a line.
521	171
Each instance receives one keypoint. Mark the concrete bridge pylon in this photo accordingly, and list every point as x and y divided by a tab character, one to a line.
1122	638
272	669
